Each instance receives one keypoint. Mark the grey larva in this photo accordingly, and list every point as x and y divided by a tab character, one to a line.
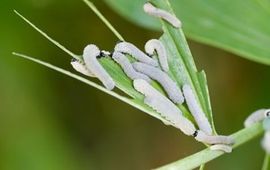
90	54
128	48
168	110
167	83
81	68
155	45
210	139
196	110
257	116
123	61
266	142
153	11
220	147
164	106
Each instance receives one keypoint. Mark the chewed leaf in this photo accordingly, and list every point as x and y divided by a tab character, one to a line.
181	62
125	86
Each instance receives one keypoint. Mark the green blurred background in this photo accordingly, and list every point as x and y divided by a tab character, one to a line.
51	122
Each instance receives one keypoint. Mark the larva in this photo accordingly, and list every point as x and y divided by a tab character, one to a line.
196	110
123	61
128	48
213	139
168	110
257	116
167	83
153	11
155	45
266	142
220	147
90	54
81	68
164	106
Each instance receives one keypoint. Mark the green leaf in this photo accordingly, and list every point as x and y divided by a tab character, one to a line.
238	26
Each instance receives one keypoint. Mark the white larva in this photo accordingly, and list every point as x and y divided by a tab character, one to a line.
220	147
213	139
196	110
167	83
170	112
153	11
164	106
257	116
266	142
155	45
81	68
90	54
123	61
128	48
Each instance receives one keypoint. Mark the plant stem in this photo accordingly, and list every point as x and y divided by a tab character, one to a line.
206	155
266	162
202	167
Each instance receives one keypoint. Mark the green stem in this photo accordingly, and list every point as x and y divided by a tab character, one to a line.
202	167
206	155
266	162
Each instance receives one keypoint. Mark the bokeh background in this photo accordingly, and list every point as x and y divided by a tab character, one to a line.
51	122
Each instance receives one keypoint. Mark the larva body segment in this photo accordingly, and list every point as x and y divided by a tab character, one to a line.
164	106
196	110
257	116
153	11
220	147
155	45
90	54
81	68
213	139
128	48
266	142
167	83
123	61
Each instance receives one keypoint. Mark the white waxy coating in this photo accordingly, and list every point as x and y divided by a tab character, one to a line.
90	54
123	61
167	83
196	110
213	139
153	11
266	142
128	48
155	45
81	68
224	148
257	116
164	106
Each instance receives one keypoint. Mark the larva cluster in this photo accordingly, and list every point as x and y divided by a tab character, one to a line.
142	71
153	11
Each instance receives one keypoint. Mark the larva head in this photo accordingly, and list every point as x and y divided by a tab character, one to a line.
148	7
91	50
80	67
151	46
267	113
140	85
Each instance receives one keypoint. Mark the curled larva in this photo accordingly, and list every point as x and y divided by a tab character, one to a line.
123	61
164	106
266	142
220	147
196	110
213	139
167	83
153	11
128	48
257	116
154	45
90	54
81	68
